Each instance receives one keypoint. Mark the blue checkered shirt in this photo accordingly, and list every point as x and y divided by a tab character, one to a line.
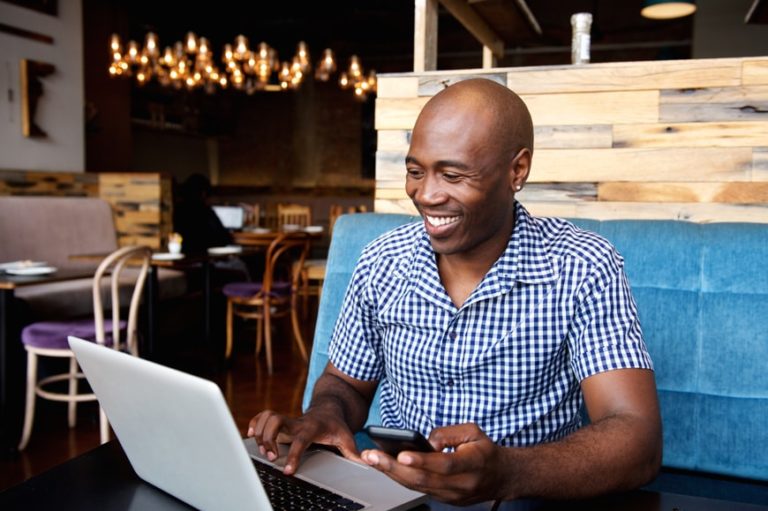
554	309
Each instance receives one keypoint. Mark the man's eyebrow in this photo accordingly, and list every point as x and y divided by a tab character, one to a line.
440	163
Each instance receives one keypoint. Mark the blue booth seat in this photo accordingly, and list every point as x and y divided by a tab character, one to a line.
702	295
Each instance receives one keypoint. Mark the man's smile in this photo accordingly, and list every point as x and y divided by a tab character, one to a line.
439	221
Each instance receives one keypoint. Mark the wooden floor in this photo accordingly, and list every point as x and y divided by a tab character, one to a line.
244	382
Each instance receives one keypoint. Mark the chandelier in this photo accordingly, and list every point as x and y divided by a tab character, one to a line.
192	65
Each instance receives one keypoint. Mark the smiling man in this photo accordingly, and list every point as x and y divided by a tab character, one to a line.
487	329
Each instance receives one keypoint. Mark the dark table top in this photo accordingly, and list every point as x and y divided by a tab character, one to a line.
102	479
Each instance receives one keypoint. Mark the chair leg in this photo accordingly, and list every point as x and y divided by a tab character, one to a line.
297	329
29	411
259	335
268	333
103	426
72	405
305	292
228	350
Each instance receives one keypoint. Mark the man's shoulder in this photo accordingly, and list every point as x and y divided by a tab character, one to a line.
565	239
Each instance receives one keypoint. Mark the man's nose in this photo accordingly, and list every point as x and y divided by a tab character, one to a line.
431	190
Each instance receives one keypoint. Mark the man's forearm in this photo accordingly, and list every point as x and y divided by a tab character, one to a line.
616	453
334	395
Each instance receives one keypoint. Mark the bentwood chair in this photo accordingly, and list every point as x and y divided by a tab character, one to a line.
275	296
49	338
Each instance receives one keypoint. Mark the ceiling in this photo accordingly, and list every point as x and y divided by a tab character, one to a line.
381	31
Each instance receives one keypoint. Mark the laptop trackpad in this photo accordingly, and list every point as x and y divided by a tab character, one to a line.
341	475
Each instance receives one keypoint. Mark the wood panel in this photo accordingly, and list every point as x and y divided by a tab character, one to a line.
431	85
398	113
686	164
620	107
715	104
691	134
405	87
674	139
732	193
59	184
625	76
571	137
690	212
755	72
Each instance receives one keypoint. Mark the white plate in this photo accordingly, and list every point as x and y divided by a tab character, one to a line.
18	265
32	270
229	249
291	227
167	256
313	229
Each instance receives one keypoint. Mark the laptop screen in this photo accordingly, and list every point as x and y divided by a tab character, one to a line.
231	217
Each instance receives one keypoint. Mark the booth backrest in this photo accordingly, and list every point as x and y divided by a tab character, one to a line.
51	229
702	295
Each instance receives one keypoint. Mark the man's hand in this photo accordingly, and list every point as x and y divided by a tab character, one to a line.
471	473
339	405
270	428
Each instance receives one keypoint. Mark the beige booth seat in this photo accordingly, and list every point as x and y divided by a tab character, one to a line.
52	229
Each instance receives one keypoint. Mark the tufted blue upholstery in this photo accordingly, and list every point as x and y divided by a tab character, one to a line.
702	293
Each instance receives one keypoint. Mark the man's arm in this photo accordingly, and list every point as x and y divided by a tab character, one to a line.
620	449
339	407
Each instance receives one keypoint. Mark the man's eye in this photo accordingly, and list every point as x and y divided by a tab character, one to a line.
451	177
414	173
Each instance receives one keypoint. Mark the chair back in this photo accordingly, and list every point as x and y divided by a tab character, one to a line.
350	235
112	267
286	253
293	214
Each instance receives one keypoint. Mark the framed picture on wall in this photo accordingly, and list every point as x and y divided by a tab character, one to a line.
32	72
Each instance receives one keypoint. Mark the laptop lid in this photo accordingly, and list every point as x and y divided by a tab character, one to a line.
179	435
232	217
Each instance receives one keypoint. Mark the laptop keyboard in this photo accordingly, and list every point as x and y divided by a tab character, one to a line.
292	494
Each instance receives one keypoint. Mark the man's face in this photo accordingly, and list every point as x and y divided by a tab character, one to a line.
459	183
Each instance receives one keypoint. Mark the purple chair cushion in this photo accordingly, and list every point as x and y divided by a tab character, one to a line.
53	334
246	289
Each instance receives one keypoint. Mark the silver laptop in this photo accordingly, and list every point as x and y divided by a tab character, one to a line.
179	435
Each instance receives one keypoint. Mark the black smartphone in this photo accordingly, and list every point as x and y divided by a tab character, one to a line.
394	440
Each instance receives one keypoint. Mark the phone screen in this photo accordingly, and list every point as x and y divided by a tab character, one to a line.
393	440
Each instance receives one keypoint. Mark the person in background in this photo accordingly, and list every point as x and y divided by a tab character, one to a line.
194	218
487	329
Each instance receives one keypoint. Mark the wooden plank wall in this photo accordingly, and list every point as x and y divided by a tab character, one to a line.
141	202
684	139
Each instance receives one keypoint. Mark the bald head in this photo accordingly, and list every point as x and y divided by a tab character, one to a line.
505	116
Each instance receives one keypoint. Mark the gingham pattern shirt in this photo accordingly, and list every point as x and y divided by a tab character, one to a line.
554	309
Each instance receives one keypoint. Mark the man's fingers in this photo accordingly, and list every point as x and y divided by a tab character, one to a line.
453	436
272	428
293	458
346	445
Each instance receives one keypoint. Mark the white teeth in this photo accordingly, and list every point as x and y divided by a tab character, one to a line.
438	221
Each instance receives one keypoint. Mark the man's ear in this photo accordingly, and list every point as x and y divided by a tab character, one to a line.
519	169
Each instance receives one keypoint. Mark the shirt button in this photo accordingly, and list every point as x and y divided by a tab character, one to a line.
453	335
449	382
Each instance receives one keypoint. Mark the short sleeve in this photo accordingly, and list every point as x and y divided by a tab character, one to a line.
355	347
606	332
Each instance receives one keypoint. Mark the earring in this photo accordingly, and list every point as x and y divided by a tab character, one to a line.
519	187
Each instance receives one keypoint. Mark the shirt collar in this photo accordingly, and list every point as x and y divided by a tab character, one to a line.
524	260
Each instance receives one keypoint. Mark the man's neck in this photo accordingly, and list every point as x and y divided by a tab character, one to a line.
462	273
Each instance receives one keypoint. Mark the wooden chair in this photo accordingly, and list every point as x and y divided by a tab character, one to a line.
313	272
293	214
274	296
49	338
